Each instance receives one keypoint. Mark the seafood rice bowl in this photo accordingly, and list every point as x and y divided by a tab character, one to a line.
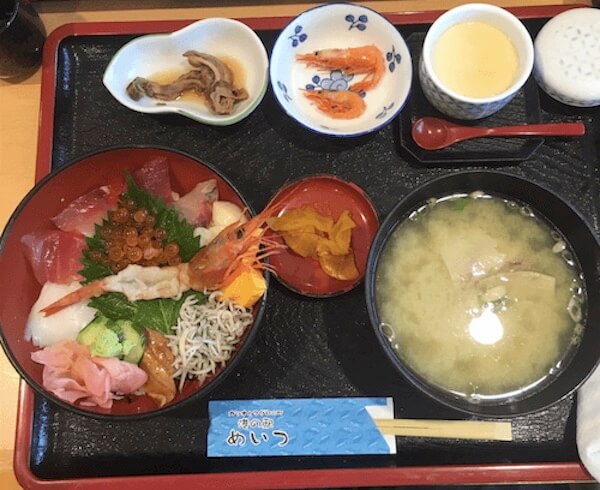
341	70
132	282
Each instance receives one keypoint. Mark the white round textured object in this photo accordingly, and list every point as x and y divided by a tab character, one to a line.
567	57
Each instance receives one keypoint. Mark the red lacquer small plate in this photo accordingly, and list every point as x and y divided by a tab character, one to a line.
330	196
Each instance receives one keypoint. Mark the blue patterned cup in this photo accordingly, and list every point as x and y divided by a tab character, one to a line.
458	105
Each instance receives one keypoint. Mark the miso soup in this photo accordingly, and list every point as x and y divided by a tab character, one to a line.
480	296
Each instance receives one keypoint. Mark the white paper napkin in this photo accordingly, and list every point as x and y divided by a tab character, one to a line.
588	424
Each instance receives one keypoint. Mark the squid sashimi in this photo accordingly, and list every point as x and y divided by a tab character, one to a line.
65	325
54	255
154	178
88	210
72	374
196	205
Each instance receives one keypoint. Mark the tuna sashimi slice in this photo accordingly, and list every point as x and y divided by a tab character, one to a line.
86	211
196	205
54	255
72	374
154	178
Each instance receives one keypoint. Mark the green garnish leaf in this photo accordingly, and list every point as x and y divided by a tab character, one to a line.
93	270
157	314
461	203
114	306
96	242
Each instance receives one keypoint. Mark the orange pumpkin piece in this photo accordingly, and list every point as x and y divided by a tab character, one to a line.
340	267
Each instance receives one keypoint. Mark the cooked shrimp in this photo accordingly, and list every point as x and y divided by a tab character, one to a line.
339	104
213	267
364	60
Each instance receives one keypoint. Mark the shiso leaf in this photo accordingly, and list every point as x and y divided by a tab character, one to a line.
158	314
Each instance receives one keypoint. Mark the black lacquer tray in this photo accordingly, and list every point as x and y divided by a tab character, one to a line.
304	347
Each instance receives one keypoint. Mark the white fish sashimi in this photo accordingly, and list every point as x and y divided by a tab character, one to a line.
64	325
224	213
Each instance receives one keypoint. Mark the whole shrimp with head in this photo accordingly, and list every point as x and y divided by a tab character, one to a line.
238	247
363	60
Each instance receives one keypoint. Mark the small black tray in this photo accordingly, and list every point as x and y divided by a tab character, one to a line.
524	108
304	347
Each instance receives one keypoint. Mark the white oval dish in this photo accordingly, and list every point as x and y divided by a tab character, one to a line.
159	53
339	25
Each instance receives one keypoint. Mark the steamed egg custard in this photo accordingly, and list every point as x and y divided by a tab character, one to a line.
480	297
475	59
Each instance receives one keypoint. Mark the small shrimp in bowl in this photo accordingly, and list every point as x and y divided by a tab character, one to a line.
363	60
338	104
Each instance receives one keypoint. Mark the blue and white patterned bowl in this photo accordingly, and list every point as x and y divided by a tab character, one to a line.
460	106
339	25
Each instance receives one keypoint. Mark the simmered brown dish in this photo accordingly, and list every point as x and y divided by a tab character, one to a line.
210	78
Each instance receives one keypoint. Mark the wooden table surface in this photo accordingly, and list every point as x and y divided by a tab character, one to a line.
20	113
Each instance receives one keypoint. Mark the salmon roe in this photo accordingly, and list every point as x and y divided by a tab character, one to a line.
131	236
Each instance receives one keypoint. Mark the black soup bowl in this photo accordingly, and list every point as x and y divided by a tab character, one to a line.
585	245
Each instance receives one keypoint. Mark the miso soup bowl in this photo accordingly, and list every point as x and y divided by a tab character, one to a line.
458	105
584	243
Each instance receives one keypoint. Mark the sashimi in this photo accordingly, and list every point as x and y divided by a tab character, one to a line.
224	213
196	205
54	255
64	325
86	211
72	374
154	178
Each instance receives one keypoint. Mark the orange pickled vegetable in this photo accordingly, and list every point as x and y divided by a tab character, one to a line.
340	267
295	219
338	242
310	234
303	241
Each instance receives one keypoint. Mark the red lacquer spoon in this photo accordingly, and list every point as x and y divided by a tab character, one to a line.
432	133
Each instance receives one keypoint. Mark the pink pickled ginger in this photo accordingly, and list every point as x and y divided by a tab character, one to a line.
72	374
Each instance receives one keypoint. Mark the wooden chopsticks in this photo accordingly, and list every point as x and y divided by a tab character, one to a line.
454	429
